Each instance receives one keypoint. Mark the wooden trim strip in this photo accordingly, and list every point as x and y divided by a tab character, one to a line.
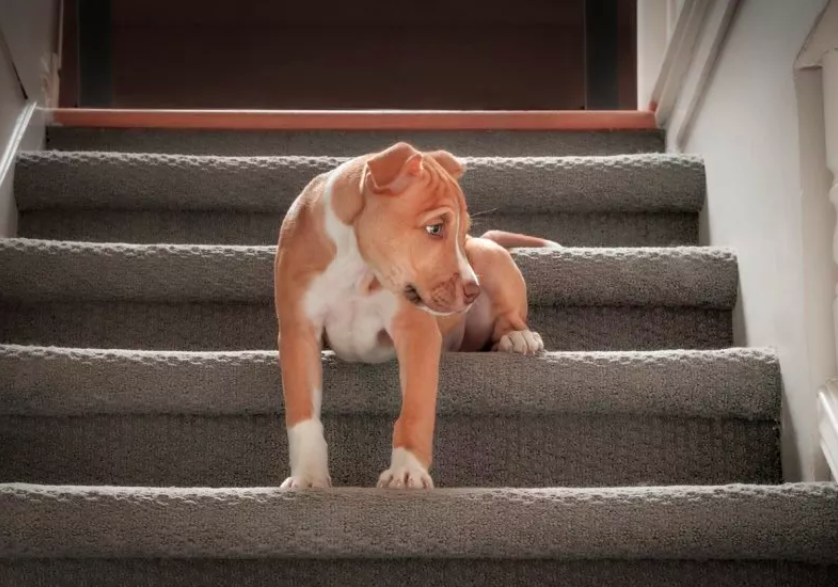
356	119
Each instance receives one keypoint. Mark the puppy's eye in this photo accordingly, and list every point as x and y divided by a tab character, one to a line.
434	229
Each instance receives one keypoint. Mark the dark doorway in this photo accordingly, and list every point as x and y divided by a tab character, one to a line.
370	54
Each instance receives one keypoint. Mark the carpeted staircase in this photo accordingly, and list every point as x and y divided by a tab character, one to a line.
141	436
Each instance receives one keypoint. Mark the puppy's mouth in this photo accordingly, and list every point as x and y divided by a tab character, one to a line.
413	296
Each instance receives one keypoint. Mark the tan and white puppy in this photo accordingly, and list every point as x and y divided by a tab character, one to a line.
374	261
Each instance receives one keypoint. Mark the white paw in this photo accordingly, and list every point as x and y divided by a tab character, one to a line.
523	342
309	457
405	472
306	482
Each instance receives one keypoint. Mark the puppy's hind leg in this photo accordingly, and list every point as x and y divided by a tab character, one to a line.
512	240
502	282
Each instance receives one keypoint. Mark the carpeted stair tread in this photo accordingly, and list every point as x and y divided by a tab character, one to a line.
593	229
39	270
142	434
88	416
794	522
141	181
214	326
731	383
342	143
553	449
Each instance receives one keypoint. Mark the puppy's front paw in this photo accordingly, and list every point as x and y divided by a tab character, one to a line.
405	472
309	457
306	482
524	342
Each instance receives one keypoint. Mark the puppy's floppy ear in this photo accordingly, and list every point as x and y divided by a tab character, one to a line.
392	170
449	163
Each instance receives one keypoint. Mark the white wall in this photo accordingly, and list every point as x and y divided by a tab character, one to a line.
652	36
748	128
29	28
11	105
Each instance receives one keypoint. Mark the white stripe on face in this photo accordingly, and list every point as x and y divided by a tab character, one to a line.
466	272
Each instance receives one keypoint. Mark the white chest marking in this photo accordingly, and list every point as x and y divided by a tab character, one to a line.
351	318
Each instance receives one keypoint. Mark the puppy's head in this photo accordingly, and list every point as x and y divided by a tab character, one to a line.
413	227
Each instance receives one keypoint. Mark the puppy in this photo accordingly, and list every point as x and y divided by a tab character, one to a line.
374	261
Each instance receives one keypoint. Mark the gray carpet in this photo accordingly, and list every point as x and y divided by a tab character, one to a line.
246	326
621	183
648	199
797	523
183	297
594	229
54	271
49	381
550	450
141	434
340	143
583	419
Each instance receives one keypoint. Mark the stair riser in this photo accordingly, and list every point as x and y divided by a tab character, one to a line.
340	143
37	270
557	450
210	327
725	384
411	573
790	522
648	183
231	228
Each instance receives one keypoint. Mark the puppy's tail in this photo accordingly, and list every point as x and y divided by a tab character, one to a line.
511	240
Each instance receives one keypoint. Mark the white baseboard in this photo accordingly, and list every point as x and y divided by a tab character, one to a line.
27	134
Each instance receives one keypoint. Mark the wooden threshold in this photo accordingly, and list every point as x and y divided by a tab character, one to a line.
356	119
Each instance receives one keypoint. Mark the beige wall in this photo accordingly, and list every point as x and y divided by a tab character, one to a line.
29	30
748	128
651	45
11	105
